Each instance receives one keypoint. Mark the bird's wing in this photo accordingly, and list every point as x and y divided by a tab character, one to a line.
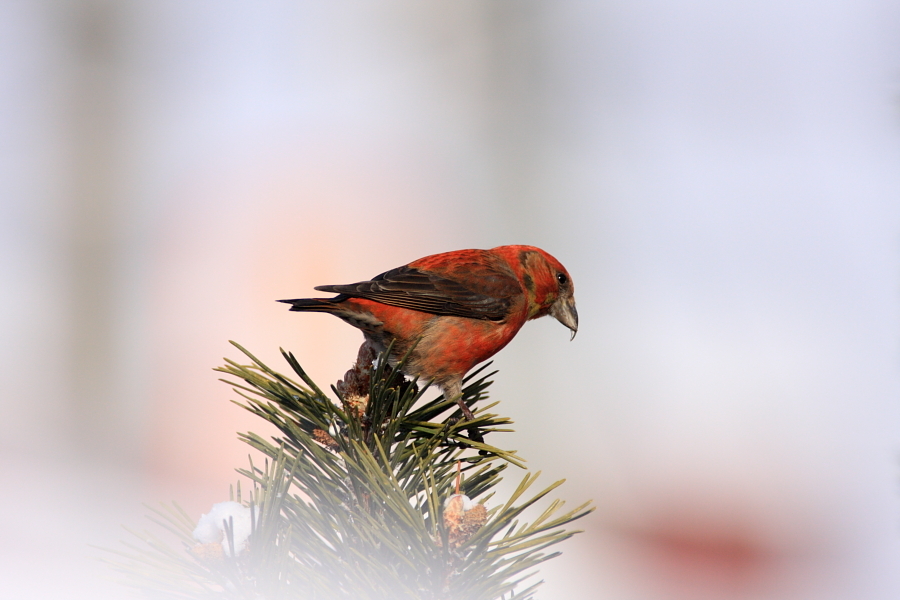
486	294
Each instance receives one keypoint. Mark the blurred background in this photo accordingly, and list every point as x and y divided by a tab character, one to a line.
721	179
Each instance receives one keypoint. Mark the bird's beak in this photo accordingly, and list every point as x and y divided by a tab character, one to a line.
564	312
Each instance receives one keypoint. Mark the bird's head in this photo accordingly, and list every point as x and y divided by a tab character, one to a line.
563	308
548	286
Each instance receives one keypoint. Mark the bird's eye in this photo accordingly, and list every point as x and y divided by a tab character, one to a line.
562	279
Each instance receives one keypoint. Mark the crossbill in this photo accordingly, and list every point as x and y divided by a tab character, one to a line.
453	310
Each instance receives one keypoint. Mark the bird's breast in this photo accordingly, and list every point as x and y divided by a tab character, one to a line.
451	346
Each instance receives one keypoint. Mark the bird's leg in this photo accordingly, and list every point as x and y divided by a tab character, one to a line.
454	390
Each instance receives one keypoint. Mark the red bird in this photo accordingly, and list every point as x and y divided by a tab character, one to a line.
461	307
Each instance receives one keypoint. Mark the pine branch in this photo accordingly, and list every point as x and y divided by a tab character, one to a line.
370	496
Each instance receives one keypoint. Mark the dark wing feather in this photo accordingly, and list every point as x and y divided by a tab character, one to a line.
488	296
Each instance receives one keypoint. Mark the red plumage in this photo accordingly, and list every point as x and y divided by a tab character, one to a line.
458	308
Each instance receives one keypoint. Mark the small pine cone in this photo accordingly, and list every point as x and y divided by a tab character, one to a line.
462	519
356	406
472	521
454	508
356	380
354	387
324	438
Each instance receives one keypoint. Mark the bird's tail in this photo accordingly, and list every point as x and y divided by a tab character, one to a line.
311	304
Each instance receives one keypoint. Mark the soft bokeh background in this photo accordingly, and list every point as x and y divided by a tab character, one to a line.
721	179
